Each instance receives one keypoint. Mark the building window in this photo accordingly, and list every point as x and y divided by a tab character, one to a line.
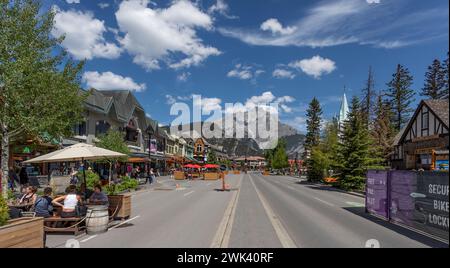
199	148
101	127
425	120
80	129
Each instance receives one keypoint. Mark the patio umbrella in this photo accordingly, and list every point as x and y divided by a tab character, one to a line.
196	166
188	166
210	166
77	152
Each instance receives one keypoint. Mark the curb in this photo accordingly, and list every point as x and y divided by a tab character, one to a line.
362	195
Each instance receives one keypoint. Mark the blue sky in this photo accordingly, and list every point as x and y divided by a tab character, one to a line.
250	51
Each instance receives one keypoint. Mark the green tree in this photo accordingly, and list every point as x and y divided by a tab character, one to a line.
444	77
354	149
401	96
280	158
382	133
313	122
114	141
319	164
324	158
434	81
212	157
39	84
367	103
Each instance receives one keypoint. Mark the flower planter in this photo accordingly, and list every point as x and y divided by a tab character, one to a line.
121	205
211	176
178	175
236	172
23	233
266	173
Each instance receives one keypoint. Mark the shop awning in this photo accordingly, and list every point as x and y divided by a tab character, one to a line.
138	160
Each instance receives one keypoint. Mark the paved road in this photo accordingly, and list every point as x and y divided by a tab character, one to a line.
266	212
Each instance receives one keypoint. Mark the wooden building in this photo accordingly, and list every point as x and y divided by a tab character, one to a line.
424	142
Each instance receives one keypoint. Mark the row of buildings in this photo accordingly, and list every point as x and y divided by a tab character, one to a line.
150	144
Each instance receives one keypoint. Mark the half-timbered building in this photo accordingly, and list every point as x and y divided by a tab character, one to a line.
424	142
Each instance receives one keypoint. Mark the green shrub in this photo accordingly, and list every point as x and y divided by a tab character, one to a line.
4	211
92	179
111	189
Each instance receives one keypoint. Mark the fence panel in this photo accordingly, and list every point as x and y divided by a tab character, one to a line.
377	193
420	200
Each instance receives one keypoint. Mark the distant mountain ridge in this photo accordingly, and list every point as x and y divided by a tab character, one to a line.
249	147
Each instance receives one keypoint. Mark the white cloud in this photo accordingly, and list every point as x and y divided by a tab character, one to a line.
316	66
222	8
210	104
373	1
263	101
183	76
111	81
84	35
152	35
245	72
103	5
274	26
170	99
283	74
332	23
73	1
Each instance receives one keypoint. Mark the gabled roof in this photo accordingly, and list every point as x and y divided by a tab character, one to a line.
438	107
123	102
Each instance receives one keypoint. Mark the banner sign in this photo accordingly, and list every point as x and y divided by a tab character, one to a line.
376	193
416	199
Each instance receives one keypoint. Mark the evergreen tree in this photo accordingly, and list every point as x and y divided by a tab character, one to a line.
382	133
434	81
354	149
313	122
444	78
401	96
367	103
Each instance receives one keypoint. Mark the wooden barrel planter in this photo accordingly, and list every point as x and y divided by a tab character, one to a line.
97	219
211	176
236	172
121	205
179	175
266	173
23	233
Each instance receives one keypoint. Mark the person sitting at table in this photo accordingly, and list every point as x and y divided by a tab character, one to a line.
98	197
71	201
85	192
29	197
43	206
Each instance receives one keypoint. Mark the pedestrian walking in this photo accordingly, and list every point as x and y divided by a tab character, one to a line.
23	178
12	179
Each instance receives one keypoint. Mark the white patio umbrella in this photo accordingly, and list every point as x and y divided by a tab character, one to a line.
77	152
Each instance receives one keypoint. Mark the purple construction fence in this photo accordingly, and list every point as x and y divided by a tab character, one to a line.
415	199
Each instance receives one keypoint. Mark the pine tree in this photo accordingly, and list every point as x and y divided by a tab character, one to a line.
382	133
434	81
367	104
401	96
444	78
313	122
354	149
280	158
